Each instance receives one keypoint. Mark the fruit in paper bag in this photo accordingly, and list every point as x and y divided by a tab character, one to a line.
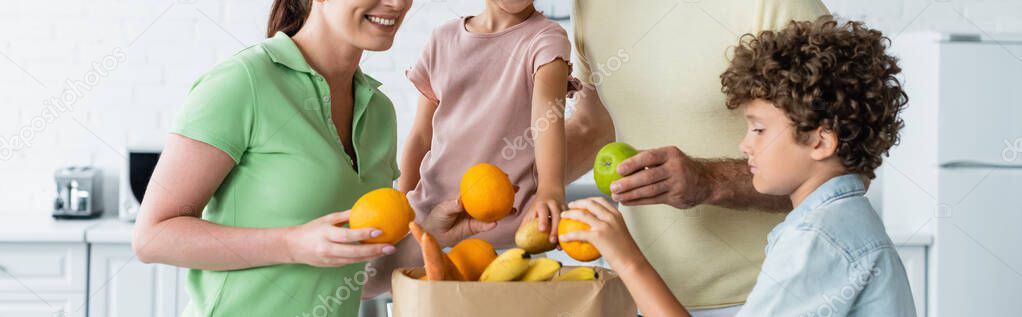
438	266
386	209
541	269
607	159
487	192
471	257
508	266
529	238
578	250
577	274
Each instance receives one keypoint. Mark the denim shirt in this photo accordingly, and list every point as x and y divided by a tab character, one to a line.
831	257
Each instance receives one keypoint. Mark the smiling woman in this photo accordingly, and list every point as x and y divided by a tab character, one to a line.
268	147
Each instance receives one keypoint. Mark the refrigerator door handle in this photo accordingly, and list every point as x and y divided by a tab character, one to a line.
978	165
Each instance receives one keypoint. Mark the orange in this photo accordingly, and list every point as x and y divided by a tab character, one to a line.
386	209
578	250
471	256
487	193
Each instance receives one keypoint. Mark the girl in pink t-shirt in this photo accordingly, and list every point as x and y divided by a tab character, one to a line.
493	89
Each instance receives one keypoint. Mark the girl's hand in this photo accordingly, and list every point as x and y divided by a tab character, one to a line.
324	243
547	208
607	231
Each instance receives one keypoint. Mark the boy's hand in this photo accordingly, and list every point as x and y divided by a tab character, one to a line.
607	230
547	208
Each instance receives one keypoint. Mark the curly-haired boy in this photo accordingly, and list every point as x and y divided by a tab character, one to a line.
821	102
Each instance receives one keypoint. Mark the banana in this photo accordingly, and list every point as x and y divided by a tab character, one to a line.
508	266
577	274
541	269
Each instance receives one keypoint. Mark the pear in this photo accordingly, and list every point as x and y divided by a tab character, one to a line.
530	239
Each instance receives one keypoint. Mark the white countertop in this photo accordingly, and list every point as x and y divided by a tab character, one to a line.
42	228
110	231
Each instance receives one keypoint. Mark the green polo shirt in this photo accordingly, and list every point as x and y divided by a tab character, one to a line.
270	111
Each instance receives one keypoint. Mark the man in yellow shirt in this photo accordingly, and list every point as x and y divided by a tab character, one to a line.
688	200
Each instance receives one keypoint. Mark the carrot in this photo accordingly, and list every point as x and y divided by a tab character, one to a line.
439	267
416	231
448	272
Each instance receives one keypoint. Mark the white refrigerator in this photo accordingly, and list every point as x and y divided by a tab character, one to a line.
957	174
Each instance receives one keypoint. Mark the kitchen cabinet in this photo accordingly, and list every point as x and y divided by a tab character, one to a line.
43	266
43	278
48	304
122	286
79	268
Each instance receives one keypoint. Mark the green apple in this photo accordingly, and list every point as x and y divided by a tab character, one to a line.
607	159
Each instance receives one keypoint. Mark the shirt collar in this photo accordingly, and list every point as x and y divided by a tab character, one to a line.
364	79
282	50
837	187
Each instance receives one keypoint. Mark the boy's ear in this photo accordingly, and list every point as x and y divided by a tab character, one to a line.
823	142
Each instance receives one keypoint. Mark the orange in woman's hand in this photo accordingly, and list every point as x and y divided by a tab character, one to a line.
471	256
578	250
386	209
487	192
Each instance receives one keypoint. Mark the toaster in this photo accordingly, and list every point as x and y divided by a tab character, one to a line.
79	192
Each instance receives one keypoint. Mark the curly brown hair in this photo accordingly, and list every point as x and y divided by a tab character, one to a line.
824	74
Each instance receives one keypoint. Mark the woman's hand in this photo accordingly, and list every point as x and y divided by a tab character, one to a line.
547	208
449	223
324	243
607	231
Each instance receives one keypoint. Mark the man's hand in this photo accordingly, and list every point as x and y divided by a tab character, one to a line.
449	223
662	176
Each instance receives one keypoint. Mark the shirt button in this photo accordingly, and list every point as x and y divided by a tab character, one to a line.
326	99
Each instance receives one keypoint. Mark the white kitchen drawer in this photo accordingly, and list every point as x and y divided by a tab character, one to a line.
27	267
27	304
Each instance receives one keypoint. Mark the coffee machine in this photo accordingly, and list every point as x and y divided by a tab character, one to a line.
79	192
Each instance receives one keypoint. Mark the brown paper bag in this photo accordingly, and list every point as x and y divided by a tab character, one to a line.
606	296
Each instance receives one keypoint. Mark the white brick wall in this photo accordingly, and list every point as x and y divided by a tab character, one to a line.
166	44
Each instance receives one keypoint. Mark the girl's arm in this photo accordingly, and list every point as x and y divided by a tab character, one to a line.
170	228
607	231
549	91
416	145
